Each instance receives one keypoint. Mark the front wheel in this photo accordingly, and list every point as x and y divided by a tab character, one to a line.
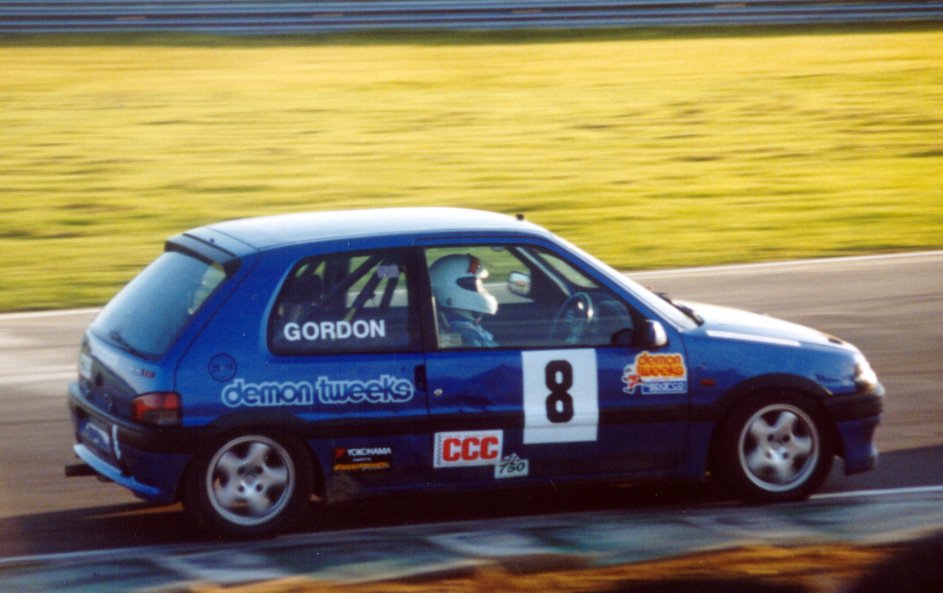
774	448
250	485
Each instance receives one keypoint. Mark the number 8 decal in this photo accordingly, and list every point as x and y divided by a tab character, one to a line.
559	375
561	402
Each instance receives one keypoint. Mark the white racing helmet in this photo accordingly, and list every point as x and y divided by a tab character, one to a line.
456	284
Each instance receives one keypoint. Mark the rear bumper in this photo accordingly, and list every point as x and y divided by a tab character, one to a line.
117	475
148	461
156	439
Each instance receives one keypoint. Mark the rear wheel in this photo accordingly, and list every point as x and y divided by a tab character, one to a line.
773	448
250	485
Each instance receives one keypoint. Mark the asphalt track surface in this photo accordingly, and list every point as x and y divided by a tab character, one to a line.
891	307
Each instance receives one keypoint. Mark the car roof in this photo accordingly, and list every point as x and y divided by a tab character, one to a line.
267	232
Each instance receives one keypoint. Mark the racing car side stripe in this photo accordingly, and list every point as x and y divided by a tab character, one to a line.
188	440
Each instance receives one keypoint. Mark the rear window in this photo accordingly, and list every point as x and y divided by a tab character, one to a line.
146	316
344	302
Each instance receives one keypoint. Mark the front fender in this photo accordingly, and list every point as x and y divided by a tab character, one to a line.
718	409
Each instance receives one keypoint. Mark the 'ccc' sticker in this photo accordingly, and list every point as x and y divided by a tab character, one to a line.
468	449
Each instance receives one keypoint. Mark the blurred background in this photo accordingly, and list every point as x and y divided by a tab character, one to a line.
657	136
651	147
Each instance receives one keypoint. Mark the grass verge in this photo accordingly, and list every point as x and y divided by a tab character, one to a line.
649	150
757	569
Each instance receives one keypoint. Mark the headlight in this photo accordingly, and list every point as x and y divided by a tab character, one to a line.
865	377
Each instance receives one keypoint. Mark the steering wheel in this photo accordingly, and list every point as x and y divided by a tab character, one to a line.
573	318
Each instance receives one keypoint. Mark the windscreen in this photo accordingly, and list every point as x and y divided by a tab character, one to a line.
146	316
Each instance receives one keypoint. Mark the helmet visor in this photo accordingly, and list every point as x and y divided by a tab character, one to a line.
472	283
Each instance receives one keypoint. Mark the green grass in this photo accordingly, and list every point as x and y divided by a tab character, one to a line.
647	150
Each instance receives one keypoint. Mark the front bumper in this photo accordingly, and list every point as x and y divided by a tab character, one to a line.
856	417
856	406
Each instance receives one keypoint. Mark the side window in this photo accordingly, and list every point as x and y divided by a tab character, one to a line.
344	303
516	296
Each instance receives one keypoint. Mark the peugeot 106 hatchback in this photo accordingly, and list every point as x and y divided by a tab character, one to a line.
258	363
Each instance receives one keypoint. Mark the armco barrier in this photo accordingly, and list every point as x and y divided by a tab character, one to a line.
275	17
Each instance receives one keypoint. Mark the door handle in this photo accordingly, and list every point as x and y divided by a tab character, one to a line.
419	374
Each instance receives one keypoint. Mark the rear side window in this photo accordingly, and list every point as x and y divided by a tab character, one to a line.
148	314
344	303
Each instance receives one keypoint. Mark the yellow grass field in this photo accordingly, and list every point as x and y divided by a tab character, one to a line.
647	150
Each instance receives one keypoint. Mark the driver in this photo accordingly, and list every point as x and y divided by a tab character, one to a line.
462	298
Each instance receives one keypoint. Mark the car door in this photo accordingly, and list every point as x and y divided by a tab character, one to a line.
339	352
525	382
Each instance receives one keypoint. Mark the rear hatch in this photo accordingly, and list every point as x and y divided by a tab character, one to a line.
128	348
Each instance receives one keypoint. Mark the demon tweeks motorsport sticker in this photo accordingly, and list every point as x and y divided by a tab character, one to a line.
655	374
387	389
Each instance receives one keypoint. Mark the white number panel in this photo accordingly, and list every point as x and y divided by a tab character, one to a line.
561	396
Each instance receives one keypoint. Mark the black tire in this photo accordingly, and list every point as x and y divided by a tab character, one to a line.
249	485
773	448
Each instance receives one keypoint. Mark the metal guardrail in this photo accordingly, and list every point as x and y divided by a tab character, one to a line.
275	17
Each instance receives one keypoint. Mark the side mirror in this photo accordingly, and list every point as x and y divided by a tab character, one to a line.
650	336
519	284
653	335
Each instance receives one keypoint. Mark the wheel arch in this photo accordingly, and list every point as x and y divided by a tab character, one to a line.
764	384
268	422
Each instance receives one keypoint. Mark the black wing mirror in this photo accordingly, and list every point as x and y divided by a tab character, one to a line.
651	336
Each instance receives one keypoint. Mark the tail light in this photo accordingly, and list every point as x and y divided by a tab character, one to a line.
159	408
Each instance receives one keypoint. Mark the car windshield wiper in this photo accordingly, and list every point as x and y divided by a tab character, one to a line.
116	337
688	311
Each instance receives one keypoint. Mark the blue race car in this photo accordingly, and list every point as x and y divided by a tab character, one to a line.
258	363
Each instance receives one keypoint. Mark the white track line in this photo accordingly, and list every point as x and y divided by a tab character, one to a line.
880	492
41	314
144	551
786	264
